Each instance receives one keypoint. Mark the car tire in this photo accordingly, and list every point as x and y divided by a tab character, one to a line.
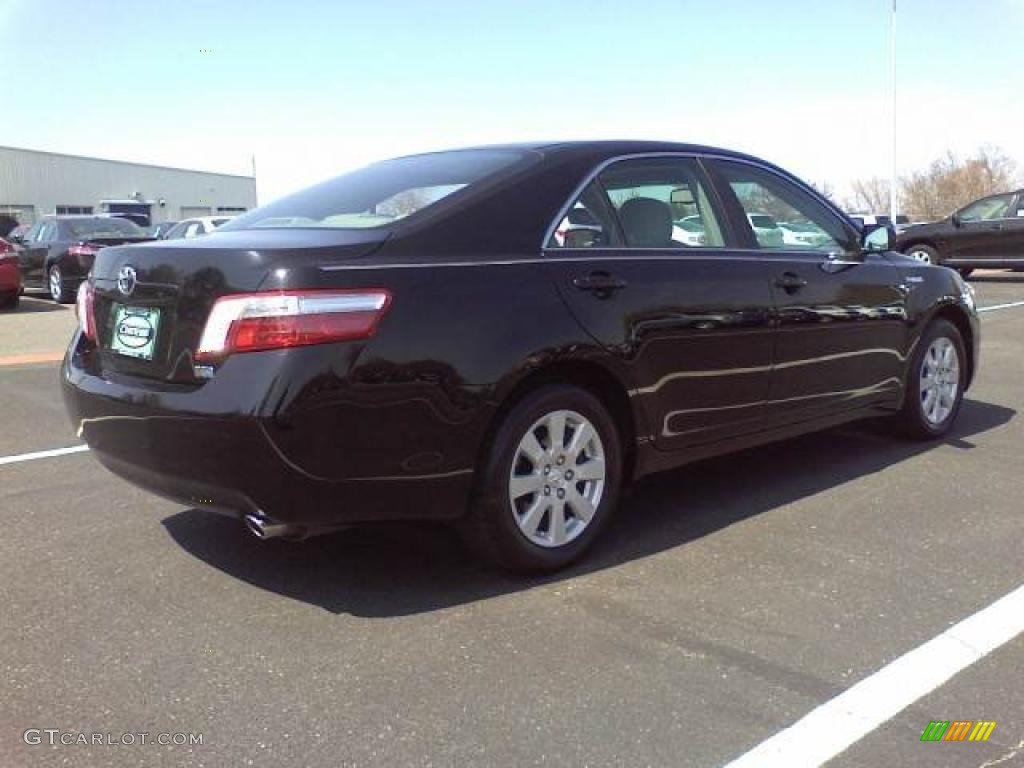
10	301
924	253
535	510
58	286
935	383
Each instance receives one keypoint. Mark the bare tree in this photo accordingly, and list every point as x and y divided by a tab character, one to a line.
950	182
869	196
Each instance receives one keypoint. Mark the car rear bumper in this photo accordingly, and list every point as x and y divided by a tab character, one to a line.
197	448
10	278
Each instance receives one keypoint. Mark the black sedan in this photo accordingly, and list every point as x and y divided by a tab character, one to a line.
988	233
58	251
436	337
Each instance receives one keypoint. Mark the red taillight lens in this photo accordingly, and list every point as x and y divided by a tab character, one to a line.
260	321
84	310
84	254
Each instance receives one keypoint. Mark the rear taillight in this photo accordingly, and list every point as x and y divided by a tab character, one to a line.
84	310
253	322
84	254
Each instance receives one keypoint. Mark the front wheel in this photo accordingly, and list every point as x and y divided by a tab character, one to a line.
935	382
549	482
923	253
58	287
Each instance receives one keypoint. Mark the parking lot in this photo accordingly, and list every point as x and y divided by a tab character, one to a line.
729	599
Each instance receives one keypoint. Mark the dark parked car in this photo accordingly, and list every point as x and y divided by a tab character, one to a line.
16	235
433	337
58	251
986	233
10	276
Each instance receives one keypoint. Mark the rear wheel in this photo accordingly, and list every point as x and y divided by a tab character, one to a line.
935	382
923	253
549	482
58	287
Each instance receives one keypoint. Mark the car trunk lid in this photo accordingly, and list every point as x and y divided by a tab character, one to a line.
151	301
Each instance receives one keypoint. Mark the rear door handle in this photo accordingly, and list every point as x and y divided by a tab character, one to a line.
599	283
790	282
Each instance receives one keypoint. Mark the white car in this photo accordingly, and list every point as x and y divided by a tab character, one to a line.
202	225
803	235
689	230
766	230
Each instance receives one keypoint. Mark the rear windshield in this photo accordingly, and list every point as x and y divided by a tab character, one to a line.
102	227
380	194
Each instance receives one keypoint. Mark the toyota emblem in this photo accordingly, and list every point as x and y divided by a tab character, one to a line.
126	280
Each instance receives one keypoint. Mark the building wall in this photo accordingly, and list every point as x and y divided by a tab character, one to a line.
45	180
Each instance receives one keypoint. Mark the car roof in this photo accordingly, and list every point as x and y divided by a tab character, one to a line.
609	147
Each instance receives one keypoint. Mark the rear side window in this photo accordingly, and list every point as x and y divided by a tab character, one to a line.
781	215
643	203
380	194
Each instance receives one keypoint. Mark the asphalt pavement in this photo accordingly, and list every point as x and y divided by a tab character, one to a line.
727	600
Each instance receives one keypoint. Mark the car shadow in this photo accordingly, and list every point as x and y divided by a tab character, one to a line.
41	303
403	569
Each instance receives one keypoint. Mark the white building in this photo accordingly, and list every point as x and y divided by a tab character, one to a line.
34	183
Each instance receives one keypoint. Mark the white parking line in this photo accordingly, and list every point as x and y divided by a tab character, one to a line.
42	454
1002	306
828	730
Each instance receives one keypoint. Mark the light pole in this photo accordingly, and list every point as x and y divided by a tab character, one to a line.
892	63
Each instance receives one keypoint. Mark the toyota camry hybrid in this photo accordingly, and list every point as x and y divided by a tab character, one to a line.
503	337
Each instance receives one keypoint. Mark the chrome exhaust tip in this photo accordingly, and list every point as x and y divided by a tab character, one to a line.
267	528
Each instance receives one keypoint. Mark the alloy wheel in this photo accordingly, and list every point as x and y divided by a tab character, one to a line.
922	256
56	283
557	478
940	380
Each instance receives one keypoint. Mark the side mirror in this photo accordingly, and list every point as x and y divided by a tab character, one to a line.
875	238
956	220
16	239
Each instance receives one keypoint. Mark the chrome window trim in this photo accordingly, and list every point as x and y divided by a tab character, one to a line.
698	156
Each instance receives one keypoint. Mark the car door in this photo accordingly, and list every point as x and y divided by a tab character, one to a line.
841	331
980	230
1013	232
33	256
690	322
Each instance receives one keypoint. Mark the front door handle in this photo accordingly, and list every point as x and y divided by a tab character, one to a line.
599	283
790	282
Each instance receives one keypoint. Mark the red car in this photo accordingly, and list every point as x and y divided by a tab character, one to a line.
10	276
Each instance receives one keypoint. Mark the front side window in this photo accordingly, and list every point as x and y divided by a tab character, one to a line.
653	202
1020	204
33	234
994	207
380	194
781	215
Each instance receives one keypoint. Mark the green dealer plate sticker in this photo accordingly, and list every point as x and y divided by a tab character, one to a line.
135	331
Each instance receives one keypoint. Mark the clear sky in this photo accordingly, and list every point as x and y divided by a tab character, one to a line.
315	88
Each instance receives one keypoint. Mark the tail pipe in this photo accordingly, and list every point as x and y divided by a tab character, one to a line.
263	527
